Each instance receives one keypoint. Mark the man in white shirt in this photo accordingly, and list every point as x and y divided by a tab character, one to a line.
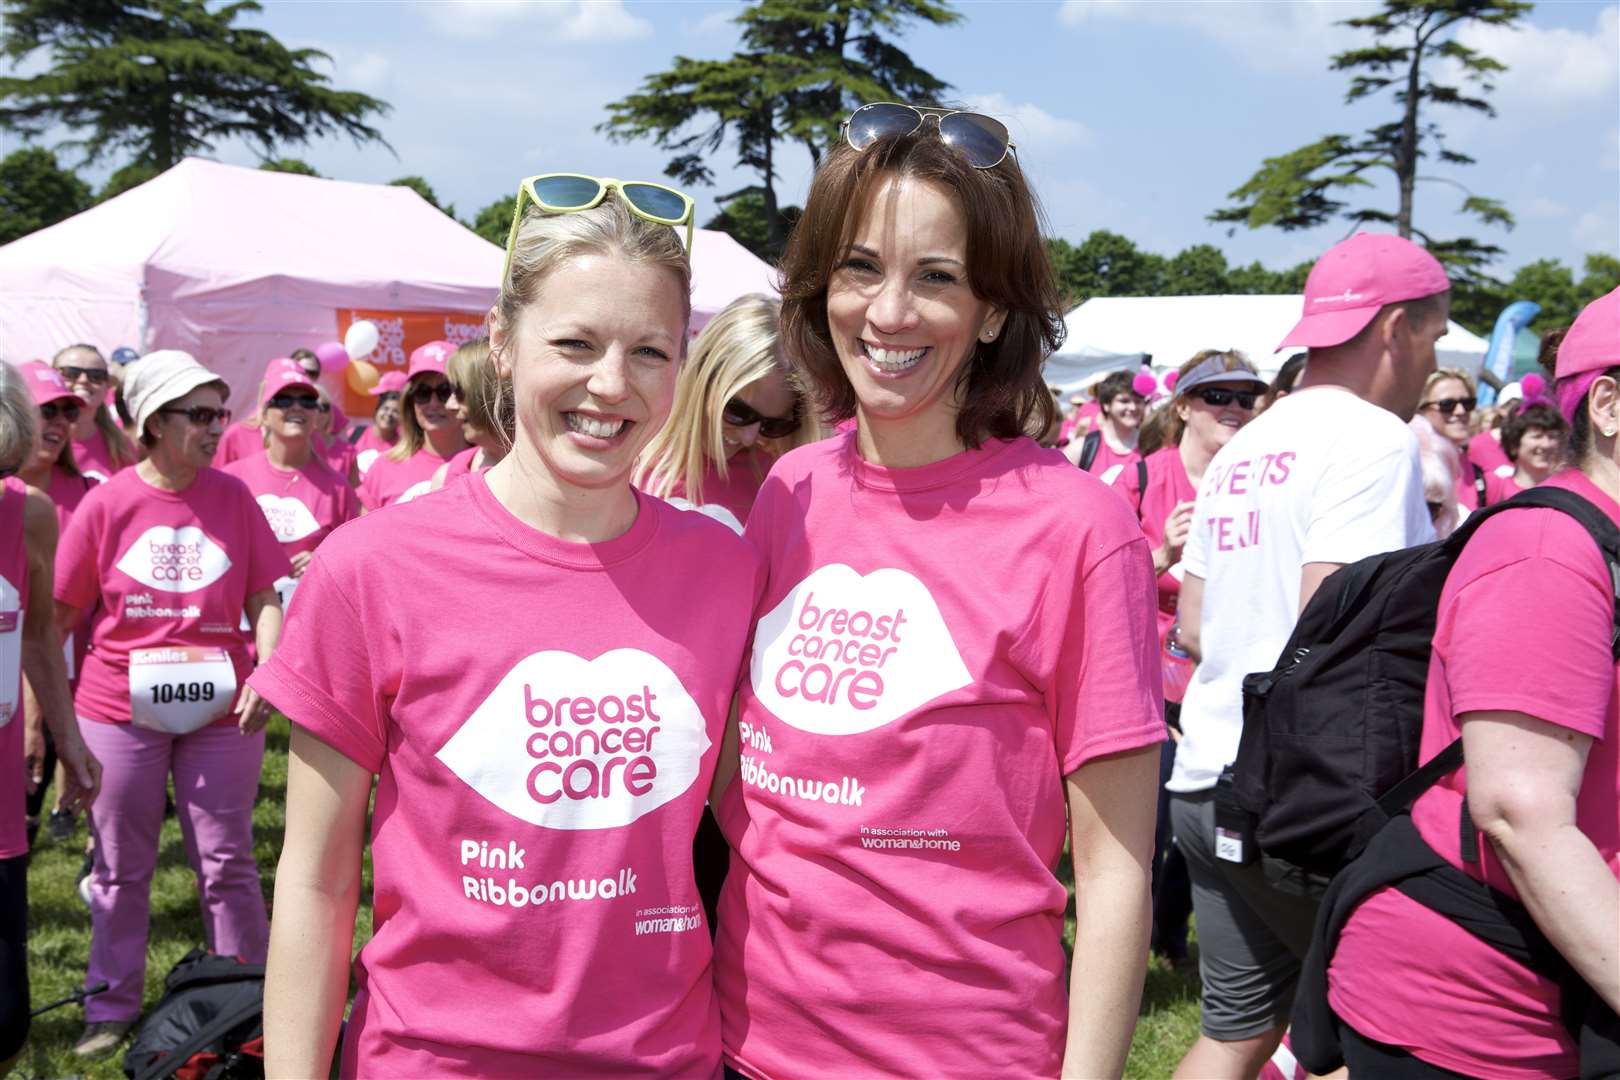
1326	476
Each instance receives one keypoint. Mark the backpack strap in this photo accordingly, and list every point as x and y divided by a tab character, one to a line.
1479	487
1141	476
1088	448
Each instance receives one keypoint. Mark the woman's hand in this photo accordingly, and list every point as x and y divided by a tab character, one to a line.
300	563
1176	528
253	711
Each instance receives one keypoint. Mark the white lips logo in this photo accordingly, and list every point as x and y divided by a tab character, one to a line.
568	743
174	560
289	519
713	510
416	490
10	649
842	654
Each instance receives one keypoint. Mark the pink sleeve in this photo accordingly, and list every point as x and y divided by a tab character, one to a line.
1126	484
323	675
1107	692
367	494
1533	637
76	572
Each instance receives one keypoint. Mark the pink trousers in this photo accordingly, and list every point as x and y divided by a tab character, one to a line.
216	780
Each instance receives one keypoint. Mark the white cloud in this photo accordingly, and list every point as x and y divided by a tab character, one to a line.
715	23
368	71
1293	37
1543	207
1597	230
1552	67
580	21
1032	126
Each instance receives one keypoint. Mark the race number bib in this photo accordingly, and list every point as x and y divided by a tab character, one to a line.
10	664
180	689
285	587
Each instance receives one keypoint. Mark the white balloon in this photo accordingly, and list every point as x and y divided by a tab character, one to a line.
361	339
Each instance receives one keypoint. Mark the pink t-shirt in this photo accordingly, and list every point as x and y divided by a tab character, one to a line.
1486	451
241	440
936	649
544	727
1530	586
389	481
13	601
369	447
93	457
338	454
1108	464
169	568
460	465
301	505
67	492
1167	485
1500	488
729	500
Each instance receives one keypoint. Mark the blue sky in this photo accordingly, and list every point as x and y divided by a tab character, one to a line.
1132	116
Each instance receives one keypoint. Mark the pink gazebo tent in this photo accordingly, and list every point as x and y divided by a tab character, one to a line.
240	265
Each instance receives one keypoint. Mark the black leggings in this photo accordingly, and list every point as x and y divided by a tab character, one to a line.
13	955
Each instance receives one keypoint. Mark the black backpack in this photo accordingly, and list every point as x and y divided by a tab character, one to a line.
209	1024
1330	736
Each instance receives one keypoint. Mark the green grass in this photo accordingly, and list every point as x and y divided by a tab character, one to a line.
59	941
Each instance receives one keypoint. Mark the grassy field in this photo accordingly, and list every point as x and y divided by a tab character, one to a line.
59	942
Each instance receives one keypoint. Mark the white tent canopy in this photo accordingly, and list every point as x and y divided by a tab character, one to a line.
1170	329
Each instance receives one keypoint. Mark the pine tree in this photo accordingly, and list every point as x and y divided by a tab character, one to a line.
35	191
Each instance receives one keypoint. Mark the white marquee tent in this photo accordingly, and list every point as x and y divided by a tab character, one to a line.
1109	332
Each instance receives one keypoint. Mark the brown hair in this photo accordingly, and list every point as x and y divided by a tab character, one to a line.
1536	415
1547	354
1234	361
1004	394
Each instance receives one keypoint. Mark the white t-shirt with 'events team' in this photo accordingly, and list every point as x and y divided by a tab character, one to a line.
1322	476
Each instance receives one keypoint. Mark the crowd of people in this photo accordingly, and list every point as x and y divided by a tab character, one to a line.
725	705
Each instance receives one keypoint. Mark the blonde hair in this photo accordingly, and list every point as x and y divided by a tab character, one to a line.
19	418
411	436
488	396
119	447
1440	375
740	346
1174	425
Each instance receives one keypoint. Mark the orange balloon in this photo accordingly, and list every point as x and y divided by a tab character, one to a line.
361	376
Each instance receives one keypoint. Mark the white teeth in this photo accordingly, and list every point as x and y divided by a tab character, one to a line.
893	359
598	429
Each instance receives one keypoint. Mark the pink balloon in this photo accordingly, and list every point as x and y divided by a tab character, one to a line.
332	355
1145	384
1170	380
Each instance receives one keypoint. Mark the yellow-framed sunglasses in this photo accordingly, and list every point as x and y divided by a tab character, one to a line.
569	193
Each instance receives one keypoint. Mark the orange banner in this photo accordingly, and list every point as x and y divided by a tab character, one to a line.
399	332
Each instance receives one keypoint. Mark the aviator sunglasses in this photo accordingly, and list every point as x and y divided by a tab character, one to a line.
200	415
1449	405
739	413
981	139
1218	398
571	193
69	412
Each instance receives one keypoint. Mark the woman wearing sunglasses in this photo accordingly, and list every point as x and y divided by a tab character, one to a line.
170	554
482	403
1216	394
303	499
51	469
382	433
99	445
954	657
544	741
1448	405
736	409
429	433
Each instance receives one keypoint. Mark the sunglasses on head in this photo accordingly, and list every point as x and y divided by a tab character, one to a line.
422	393
738	413
1219	398
69	412
571	193
980	139
1449	405
95	375
288	401
201	415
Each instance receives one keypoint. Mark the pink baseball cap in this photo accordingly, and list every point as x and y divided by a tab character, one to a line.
1591	347
392	382
1354	280
282	374
430	357
46	383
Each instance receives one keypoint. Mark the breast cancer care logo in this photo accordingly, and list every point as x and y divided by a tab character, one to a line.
842	654
568	743
179	560
289	518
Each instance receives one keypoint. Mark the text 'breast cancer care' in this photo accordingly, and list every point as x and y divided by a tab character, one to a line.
175	560
842	653
568	743
289	518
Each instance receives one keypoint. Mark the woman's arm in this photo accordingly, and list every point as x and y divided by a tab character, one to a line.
1524	775
317	892
730	755
1112	803
264	615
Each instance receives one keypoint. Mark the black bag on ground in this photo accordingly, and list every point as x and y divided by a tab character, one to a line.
1330	736
209	1024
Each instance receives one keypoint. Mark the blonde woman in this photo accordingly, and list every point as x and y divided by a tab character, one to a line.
429	433
99	445
736	408
482	402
